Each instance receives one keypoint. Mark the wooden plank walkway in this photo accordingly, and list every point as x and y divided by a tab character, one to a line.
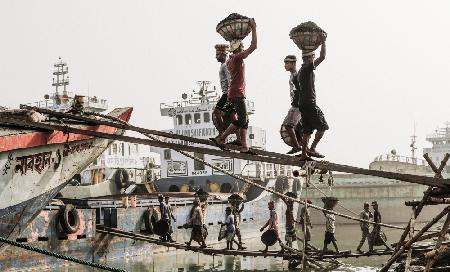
316	255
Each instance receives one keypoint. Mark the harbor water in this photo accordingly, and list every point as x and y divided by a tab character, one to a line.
348	237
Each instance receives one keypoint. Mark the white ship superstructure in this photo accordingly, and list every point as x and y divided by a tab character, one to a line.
440	141
193	117
134	165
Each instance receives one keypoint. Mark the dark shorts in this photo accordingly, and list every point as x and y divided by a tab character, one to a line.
241	112
329	237
199	233
221	103
313	119
238	232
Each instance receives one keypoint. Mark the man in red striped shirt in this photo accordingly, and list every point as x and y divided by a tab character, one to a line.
236	91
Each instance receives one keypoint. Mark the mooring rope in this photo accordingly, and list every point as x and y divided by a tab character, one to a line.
60	256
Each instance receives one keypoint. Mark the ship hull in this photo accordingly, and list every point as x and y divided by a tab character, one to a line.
45	232
36	165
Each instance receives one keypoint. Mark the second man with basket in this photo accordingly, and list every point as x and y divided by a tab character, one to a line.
236	91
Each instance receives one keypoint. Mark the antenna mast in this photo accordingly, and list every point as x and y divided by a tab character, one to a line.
413	143
60	72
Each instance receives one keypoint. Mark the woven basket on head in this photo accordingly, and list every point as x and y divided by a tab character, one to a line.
307	41
307	36
235	199
234	27
330	201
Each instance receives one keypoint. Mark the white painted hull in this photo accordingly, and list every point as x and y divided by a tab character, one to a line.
31	177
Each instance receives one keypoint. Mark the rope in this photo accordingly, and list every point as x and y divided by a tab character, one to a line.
273	191
322	192
106	117
60	256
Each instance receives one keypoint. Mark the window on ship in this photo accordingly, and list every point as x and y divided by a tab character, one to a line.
206	117
198	165
197	119
179	119
167	154
187	119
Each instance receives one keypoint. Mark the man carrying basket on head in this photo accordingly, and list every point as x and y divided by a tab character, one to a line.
236	91
293	117
312	116
224	112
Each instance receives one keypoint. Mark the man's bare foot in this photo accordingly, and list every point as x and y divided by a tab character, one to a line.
219	143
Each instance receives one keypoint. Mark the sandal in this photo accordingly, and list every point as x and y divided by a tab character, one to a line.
235	142
250	152
294	150
304	158
315	154
219	145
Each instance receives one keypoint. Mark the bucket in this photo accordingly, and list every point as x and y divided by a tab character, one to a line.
269	237
161	227
285	136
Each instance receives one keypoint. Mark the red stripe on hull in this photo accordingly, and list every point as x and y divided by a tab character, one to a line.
33	139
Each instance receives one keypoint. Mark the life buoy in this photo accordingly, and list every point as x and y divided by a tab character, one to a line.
184	188
69	219
121	178
150	219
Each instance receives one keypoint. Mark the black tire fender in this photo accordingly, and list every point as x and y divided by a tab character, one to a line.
69	218
121	178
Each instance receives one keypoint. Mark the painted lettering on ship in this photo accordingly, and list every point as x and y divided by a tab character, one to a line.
175	111
68	150
36	162
198	132
7	164
40	161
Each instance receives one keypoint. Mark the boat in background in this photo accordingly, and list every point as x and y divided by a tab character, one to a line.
36	164
193	117
353	190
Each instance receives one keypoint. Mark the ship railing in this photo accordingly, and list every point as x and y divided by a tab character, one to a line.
66	101
95	103
441	137
397	158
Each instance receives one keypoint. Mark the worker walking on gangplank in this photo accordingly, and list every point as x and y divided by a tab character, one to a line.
377	237
236	92
312	116
365	215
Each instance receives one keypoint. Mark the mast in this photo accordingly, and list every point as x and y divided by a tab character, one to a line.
413	145
203	91
62	79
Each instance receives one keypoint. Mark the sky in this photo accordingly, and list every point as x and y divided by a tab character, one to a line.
387	66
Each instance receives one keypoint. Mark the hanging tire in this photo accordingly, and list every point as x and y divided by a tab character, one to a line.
121	178
150	219
69	219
